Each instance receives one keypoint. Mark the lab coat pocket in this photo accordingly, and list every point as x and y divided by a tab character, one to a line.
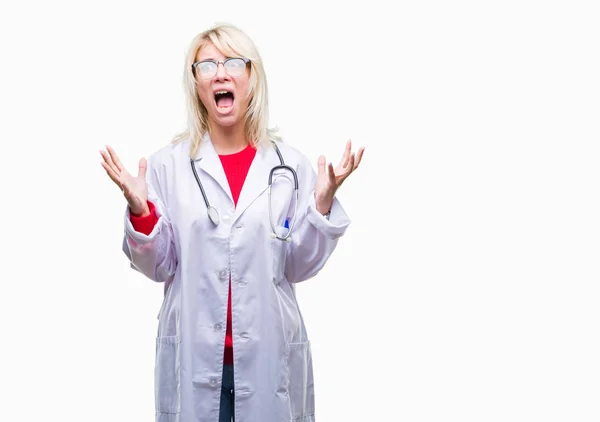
300	381
167	376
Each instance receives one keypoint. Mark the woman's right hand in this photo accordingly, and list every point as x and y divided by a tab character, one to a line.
135	189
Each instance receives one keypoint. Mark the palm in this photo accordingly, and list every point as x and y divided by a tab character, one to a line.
135	189
329	181
325	184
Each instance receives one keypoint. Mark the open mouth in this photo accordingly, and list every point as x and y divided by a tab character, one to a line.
224	100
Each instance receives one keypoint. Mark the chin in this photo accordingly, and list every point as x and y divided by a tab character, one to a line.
226	121
226	118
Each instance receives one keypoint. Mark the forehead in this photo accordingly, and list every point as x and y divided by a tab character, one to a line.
209	51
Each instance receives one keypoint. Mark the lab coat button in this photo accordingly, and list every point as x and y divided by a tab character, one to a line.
223	274
213	382
218	327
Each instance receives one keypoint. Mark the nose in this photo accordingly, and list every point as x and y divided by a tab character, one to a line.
221	73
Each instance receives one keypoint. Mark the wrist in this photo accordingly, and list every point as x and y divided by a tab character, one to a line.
141	212
323	205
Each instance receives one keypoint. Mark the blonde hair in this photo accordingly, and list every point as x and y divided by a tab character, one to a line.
230	41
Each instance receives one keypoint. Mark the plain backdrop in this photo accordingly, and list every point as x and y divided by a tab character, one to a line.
466	288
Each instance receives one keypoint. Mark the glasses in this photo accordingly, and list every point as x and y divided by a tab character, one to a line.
206	69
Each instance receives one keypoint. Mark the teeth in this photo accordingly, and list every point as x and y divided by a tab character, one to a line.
221	92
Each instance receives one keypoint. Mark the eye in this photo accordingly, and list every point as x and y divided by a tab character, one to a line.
236	64
206	67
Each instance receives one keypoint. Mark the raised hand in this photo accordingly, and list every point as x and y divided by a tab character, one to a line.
134	189
329	181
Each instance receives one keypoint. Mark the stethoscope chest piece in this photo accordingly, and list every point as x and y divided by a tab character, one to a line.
213	215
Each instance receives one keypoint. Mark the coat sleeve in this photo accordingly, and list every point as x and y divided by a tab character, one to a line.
153	255
314	237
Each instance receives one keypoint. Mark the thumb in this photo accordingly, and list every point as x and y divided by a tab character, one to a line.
321	165
142	168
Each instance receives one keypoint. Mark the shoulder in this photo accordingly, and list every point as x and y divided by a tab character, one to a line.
169	155
292	155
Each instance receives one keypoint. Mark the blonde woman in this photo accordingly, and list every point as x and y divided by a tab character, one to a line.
230	218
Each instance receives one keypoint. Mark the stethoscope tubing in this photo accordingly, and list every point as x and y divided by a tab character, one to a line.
213	214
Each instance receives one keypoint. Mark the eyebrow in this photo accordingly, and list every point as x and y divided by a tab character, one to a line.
213	59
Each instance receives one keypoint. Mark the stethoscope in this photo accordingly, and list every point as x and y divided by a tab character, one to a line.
213	214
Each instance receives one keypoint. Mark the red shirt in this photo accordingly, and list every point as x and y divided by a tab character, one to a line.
236	168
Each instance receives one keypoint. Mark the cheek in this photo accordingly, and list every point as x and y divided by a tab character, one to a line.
203	95
245	98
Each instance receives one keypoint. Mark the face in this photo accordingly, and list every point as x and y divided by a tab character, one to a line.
223	95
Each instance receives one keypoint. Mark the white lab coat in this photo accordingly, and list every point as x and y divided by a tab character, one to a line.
272	356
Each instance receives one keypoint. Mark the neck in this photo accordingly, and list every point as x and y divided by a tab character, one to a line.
228	140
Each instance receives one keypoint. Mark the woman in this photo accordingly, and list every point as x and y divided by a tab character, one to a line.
202	218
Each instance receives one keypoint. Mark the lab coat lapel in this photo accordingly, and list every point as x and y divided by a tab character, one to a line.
257	180
208	161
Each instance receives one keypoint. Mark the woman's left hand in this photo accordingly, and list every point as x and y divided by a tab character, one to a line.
328	182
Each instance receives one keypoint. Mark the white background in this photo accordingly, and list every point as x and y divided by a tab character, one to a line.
467	287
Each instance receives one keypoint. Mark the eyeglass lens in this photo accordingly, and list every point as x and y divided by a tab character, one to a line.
233	67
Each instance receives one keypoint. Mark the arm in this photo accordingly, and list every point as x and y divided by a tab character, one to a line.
154	254
314	237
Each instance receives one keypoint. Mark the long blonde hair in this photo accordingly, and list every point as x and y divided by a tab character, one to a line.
230	41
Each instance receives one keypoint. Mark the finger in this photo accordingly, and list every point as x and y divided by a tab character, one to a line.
111	173
109	161
321	165
142	168
347	171
350	165
331	174
346	156
114	157
358	158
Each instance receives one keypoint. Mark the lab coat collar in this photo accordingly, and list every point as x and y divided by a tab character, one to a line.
256	182
208	160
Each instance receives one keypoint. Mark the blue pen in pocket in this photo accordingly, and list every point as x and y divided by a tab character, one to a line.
286	224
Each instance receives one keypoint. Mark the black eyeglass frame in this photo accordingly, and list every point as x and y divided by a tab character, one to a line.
217	62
